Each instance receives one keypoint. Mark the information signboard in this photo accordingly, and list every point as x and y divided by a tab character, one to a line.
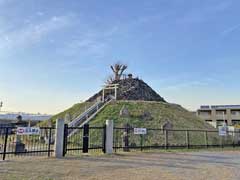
140	131
28	131
222	131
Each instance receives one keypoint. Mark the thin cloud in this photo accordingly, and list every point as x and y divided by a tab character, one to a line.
93	43
2	1
231	29
5	2
84	45
197	83
33	33
200	15
40	13
186	85
152	18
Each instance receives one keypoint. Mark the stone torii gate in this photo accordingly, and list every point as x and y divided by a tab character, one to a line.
110	87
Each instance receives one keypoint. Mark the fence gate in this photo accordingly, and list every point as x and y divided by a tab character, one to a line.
84	139
13	145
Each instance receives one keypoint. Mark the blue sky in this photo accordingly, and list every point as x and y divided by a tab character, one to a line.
56	53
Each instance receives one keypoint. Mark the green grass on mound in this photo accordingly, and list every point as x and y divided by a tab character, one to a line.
73	112
160	113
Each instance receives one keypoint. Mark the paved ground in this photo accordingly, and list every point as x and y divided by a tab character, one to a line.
188	165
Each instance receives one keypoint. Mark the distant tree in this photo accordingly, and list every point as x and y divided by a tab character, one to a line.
118	70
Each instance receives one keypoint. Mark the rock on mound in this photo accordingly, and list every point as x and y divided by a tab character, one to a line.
133	89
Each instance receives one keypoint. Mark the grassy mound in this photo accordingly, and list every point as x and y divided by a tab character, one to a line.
73	112
160	112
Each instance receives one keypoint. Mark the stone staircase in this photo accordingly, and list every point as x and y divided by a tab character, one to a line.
88	115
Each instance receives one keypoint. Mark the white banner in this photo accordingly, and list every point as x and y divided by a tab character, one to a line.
28	131
140	131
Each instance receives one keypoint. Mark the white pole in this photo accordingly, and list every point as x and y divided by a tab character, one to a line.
224	124
109	137
58	146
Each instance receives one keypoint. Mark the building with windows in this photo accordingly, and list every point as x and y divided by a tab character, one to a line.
218	115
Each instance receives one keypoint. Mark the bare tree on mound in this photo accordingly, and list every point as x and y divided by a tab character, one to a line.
109	80
118	70
129	88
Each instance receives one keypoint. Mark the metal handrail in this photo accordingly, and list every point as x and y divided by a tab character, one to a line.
81	119
84	114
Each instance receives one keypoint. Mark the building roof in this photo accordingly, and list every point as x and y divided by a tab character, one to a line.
206	107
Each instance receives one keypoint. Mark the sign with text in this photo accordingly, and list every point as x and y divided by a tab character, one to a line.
140	131
28	131
222	131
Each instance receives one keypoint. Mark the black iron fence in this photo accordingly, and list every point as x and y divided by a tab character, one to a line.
87	139
126	140
14	145
84	140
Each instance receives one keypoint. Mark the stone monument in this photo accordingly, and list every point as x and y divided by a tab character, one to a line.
124	112
20	146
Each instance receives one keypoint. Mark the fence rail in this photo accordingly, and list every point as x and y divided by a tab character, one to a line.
15	145
93	139
126	140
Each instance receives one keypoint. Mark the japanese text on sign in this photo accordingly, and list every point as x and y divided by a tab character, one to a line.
222	131
28	131
140	131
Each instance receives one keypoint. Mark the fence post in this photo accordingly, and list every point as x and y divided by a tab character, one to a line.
187	139
141	142
233	139
222	142
206	139
166	139
115	136
5	144
104	139
85	138
59	138
49	141
125	138
109	137
65	139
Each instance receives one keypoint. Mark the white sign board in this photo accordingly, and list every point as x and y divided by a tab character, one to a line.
140	131
231	130
222	131
28	131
